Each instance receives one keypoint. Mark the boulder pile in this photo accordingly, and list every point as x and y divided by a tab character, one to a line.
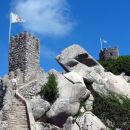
73	109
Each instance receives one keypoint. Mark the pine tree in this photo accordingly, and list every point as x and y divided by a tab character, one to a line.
50	90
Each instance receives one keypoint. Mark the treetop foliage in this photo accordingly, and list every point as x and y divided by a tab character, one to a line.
121	64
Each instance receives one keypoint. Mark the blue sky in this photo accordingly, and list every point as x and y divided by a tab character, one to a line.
80	22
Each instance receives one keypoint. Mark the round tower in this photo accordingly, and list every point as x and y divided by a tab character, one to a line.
109	53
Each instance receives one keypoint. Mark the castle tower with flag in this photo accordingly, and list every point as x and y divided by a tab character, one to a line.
24	52
15	18
109	53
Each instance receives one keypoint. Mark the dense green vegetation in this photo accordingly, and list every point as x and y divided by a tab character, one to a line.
114	108
50	90
121	64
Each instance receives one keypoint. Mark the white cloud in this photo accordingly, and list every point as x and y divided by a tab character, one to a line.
47	53
48	17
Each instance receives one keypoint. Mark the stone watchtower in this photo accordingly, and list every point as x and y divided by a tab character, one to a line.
24	54
109	53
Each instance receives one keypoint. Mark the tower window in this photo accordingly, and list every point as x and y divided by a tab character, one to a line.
111	54
37	46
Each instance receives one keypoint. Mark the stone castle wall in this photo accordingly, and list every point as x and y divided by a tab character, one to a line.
6	84
109	53
24	54
2	93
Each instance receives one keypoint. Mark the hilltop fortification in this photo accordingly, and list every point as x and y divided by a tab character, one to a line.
109	53
82	89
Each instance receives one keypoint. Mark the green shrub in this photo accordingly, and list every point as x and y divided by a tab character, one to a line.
114	108
121	64
50	90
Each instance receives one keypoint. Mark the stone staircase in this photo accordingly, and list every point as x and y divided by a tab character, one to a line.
18	119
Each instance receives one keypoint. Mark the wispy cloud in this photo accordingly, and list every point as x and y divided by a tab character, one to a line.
47	17
47	52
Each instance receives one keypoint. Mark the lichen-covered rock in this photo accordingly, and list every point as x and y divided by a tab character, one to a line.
46	126
70	56
68	101
2	93
5	111
76	59
88	121
112	83
84	73
127	78
74	77
70	125
39	107
89	103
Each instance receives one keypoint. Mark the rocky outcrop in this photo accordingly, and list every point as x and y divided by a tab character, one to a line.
74	78
76	59
113	83
5	111
46	126
33	87
39	107
70	125
2	93
69	99
73	55
72	109
89	103
88	121
6	98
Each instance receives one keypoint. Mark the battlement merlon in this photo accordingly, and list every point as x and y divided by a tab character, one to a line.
25	35
110	49
24	54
